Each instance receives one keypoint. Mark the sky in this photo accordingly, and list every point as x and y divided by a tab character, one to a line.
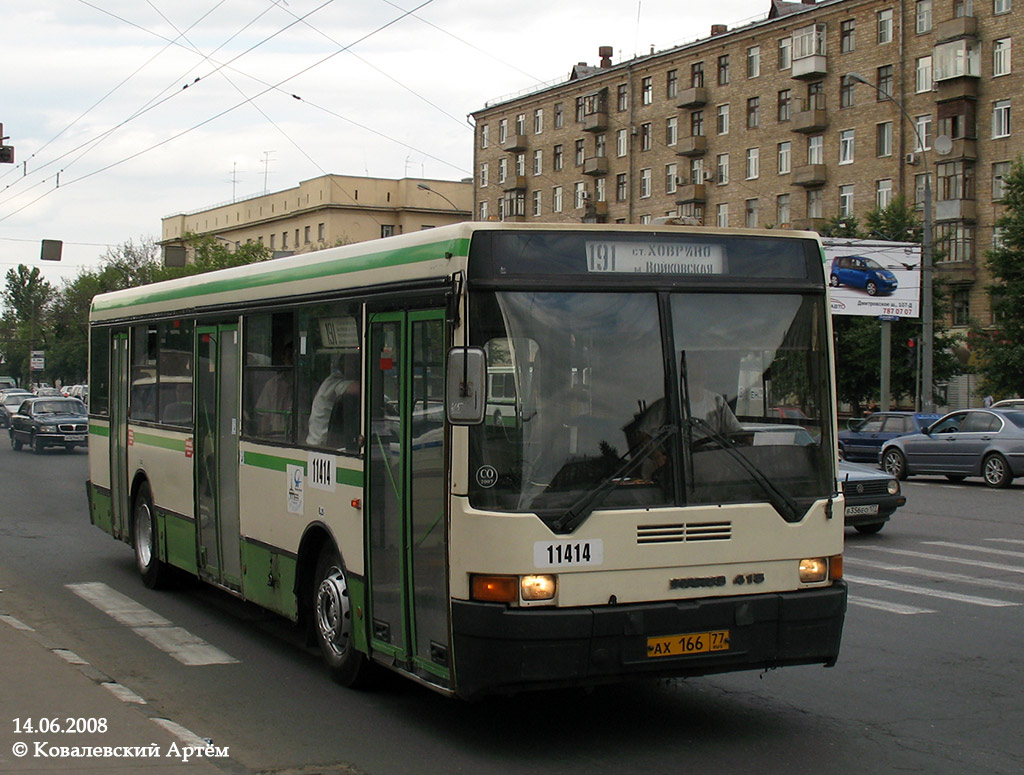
122	112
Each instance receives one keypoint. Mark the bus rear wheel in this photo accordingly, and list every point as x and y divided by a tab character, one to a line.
154	572
332	621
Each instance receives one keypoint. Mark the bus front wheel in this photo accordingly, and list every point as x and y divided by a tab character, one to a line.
332	621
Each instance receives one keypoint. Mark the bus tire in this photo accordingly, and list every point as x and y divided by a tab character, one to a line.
332	621
154	572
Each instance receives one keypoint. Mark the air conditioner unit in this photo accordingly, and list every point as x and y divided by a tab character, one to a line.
709	177
911	158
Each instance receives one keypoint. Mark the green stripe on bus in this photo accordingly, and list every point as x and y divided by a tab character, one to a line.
152	440
271	462
274	275
99	430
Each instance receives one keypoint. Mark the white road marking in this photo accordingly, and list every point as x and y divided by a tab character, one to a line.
946	558
179	643
70	657
913	570
16	623
972	548
187	736
123	693
893	608
910	589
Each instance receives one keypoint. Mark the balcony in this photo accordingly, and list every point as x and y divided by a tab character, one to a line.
596	121
514	183
595	212
692	146
596	166
809	175
964	149
964	27
514	142
693	192
812	117
962	87
956	210
693	98
809	68
957	272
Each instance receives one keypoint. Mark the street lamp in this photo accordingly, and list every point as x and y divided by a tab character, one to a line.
425	187
927	315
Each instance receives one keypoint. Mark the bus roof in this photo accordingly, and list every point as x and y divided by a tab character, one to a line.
430	253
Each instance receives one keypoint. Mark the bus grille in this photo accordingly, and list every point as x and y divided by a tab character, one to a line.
683	532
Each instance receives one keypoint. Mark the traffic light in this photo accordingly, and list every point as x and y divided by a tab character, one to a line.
6	154
912	353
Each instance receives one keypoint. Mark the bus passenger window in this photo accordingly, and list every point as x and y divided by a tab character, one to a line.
268	391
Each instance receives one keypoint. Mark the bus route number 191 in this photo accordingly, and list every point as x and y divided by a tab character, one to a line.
564	554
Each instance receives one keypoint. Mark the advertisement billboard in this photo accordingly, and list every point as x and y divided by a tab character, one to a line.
869	277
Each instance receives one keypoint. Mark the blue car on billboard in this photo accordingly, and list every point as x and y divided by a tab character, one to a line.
864	273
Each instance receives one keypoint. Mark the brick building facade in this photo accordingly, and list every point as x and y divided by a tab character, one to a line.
763	125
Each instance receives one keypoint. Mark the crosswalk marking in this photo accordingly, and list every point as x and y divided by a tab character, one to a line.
176	641
893	608
913	570
910	588
947	558
973	548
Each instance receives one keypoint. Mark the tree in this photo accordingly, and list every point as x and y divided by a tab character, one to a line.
25	296
999	349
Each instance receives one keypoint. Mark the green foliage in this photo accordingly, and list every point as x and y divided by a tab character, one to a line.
999	350
842	226
23	327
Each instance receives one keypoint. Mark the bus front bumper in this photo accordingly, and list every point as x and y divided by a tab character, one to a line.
504	650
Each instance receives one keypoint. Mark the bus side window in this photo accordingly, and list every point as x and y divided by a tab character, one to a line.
269	381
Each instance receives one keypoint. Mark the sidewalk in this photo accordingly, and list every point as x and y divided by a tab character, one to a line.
45	686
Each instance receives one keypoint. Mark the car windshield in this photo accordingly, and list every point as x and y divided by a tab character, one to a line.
579	387
70	406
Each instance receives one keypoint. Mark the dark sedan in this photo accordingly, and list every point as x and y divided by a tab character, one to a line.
871	496
50	422
863	439
974	442
10	400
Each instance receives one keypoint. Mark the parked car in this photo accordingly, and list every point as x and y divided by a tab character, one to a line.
1009	403
861	272
871	496
863	438
46	392
10	400
973	442
50	422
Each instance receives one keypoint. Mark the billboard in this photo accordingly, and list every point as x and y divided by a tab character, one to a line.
869	277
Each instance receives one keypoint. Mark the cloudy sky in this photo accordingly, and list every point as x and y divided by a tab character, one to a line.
125	111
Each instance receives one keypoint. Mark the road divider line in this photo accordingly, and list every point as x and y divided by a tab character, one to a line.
911	589
179	643
892	608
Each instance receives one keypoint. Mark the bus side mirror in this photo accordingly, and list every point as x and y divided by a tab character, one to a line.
466	386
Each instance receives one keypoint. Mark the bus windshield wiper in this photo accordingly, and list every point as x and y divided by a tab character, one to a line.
584	506
783	504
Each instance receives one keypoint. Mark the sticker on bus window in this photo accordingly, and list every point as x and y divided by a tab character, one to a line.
296	484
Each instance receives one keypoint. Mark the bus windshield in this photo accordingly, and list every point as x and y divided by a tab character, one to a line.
700	398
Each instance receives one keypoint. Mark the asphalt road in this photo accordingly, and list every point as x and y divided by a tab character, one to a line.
929	679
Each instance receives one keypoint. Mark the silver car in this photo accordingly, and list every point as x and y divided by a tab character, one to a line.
974	442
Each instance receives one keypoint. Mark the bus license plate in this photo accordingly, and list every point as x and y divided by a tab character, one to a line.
869	509
685	645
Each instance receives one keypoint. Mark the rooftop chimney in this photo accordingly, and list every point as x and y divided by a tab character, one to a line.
718	29
605	52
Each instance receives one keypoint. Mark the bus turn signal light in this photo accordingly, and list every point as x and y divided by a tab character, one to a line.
495	589
835	567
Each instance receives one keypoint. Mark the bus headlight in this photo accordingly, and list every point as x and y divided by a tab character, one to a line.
537	587
813	569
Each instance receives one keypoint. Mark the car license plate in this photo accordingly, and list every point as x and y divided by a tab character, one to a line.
78	437
690	643
871	508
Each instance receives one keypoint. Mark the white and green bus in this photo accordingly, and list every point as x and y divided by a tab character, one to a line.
311	435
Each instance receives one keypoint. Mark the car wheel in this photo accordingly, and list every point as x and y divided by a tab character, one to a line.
895	464
332	621
154	572
996	471
871	288
37	445
874	527
833	281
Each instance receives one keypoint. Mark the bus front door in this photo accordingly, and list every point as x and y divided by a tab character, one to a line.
120	509
216	454
406	494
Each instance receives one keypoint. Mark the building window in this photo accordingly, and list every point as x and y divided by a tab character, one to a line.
1001	119
782	214
957	239
599	189
722	215
785	105
924	16
520	164
815	202
622	97
785	157
581	108
484	212
885	26
753	163
697	75
723	119
963	8
753	112
884	82
785	53
537	203
809	41
502	170
484	170
671	130
502	131
919	183
883	139
846	140
1001	6
306	235
646	137
581	152
962	307
846	86
697	171
883	193
645	183
538	121
723	168
752	213
485	135
600	144
847	30
538	162
955	179
923	74
723	70
1000	172
670	178
671	84
621	142
956	59
521	124
1001	57
321	231
621	187
697	123
845	201
559	118
646	90
816	149
579	195
557	158
922	133
556	199
753	61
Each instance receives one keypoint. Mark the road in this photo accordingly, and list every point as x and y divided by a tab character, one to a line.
929	679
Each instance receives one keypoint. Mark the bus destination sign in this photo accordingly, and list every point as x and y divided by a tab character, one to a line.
677	257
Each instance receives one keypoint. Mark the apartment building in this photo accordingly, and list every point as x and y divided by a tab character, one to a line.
768	124
327	211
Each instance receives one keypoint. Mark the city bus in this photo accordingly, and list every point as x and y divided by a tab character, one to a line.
310	434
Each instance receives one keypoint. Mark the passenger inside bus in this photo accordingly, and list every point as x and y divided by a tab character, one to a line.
334	414
274	405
